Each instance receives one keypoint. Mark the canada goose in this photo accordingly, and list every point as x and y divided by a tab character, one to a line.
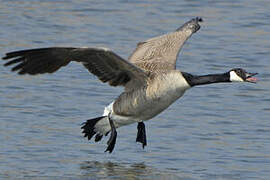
150	79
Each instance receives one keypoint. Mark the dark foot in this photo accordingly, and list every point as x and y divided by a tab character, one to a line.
112	140
141	135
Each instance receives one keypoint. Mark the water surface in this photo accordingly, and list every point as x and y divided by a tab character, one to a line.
214	132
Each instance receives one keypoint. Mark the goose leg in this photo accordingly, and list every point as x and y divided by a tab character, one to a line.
141	134
112	140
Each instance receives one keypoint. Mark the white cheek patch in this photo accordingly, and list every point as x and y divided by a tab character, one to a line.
235	78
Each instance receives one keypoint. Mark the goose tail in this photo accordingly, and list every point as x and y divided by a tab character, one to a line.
90	128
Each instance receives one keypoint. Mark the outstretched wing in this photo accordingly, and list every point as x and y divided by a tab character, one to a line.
102	62
160	53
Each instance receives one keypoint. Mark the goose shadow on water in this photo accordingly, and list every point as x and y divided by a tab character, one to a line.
112	170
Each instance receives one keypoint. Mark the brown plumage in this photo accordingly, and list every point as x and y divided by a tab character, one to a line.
105	64
160	53
149	76
155	55
144	74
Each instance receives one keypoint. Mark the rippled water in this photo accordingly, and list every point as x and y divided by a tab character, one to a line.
218	131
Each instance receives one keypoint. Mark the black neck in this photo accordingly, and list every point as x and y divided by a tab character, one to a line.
194	80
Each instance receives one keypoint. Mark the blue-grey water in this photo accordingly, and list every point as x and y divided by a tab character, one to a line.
220	131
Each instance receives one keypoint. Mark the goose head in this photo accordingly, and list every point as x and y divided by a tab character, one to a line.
240	75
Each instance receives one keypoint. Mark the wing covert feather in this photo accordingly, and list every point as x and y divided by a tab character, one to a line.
160	53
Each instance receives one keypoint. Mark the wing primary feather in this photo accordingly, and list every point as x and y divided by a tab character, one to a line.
103	63
19	66
14	61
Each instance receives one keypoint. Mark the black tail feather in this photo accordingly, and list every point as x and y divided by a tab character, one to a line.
98	137
88	128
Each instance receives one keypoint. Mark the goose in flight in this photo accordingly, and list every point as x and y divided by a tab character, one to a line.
149	77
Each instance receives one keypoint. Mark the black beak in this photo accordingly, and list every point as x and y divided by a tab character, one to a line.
250	78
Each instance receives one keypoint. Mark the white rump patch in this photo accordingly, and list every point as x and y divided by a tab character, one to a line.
108	109
103	126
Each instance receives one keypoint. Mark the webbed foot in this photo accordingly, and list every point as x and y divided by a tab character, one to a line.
141	134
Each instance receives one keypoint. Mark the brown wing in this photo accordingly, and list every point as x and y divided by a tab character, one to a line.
160	53
102	62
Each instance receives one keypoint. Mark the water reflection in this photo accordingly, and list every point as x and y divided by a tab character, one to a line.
112	170
214	132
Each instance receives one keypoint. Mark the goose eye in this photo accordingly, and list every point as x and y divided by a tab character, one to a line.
241	73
